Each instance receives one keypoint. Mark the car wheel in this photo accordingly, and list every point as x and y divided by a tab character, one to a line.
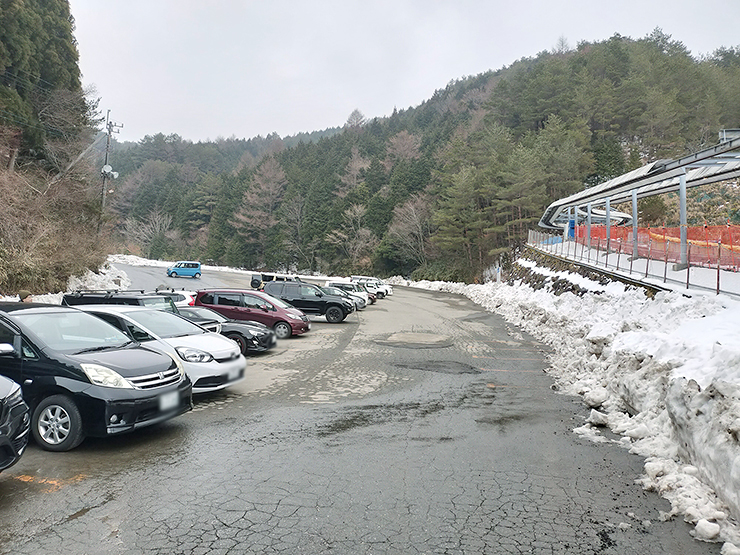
283	330
173	274
197	276
56	424
334	315
381	295
240	340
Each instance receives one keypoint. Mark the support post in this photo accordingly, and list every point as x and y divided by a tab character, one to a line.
684	231
634	223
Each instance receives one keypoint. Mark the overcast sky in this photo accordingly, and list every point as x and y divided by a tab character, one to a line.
242	68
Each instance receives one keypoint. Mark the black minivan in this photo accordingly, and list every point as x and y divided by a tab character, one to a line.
81	376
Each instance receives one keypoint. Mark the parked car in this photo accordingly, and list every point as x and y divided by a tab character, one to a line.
160	301
353	289
382	288
252	337
310	299
180	297
82	377
137	298
237	304
211	360
185	268
358	301
14	423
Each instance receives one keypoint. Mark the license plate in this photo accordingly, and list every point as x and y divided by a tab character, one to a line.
233	374
308	325
169	401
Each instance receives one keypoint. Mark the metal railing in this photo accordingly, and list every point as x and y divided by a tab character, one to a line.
654	266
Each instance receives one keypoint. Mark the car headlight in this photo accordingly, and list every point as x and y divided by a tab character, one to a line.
104	376
15	397
190	354
294	317
180	369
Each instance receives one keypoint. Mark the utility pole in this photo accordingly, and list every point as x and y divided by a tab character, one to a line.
107	171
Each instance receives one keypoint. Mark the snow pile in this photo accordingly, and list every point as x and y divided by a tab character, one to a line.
663	373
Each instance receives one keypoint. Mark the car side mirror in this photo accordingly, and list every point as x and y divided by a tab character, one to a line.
6	349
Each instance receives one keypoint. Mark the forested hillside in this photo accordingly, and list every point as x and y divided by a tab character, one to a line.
440	190
50	213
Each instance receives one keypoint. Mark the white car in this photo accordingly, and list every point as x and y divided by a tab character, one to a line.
374	285
351	288
179	296
210	360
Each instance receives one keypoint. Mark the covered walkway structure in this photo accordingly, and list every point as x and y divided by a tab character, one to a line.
588	218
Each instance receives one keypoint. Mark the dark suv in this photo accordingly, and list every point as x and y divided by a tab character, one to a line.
98	296
310	299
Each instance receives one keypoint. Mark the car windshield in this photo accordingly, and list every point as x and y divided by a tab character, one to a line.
72	331
205	313
277	302
163	324
160	303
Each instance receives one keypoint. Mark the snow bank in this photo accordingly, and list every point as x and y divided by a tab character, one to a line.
664	373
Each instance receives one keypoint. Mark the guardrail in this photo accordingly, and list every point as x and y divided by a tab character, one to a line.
652	267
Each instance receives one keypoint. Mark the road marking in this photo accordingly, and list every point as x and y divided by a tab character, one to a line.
51	484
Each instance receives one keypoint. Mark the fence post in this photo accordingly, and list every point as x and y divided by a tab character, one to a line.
719	256
619	253
665	257
647	262
598	248
688	263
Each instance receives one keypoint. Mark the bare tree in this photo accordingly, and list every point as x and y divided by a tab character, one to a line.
411	227
356	241
257	212
355	120
145	232
402	146
351	176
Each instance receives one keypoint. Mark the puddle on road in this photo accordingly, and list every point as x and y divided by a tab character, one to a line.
441	366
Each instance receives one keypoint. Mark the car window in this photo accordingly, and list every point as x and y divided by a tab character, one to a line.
72	331
308	291
163	324
160	303
206	298
252	301
229	299
6	334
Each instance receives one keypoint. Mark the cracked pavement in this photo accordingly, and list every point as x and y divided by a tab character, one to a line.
421	425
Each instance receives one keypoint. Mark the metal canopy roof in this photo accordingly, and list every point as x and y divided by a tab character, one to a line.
718	163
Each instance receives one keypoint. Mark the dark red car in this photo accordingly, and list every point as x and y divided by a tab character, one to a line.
238	304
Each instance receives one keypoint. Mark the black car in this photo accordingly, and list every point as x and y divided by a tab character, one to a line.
310	299
161	300
14	423
104	296
252	337
83	377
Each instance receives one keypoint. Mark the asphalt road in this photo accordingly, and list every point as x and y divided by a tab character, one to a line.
423	424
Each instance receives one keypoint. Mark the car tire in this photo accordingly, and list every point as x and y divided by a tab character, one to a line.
334	315
56	424
381	295
173	274
196	276
282	330
240	340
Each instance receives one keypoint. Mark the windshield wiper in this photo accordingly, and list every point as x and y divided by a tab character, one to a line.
93	349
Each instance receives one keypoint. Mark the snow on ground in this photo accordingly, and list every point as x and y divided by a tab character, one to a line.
662	373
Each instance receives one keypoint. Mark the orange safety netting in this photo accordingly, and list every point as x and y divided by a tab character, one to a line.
707	245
